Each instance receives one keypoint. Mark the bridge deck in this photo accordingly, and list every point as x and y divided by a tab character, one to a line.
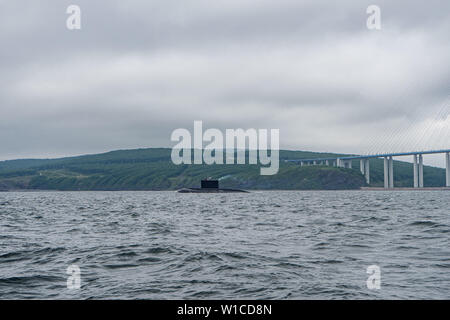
351	157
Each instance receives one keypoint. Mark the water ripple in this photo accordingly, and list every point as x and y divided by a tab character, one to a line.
261	245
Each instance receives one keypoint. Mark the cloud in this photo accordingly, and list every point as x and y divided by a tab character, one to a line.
138	70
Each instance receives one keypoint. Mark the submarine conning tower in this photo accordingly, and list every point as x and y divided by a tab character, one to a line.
210	184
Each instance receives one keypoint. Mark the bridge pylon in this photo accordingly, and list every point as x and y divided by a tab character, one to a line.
447	169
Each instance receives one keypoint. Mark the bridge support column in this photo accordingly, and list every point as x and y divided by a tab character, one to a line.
391	172
420	171
416	172
349	164
362	163
367	170
386	173
327	162
447	169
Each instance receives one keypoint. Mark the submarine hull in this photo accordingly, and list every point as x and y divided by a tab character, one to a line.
210	190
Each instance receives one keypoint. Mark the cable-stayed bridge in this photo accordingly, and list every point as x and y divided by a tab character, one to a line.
431	135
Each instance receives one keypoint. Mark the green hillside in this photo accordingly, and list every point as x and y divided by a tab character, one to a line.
152	169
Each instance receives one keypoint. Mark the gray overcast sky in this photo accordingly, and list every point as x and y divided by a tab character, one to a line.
137	70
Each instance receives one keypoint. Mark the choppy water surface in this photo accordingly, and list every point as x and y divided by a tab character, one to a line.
263	245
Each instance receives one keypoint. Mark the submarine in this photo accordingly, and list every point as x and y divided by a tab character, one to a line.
210	186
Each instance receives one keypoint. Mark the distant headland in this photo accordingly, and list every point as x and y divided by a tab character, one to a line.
152	169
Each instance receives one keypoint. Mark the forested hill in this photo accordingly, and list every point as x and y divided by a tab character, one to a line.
152	169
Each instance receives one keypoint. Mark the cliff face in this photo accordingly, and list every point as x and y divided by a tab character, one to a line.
152	169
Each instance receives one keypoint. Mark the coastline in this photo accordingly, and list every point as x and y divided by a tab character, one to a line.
405	189
240	191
